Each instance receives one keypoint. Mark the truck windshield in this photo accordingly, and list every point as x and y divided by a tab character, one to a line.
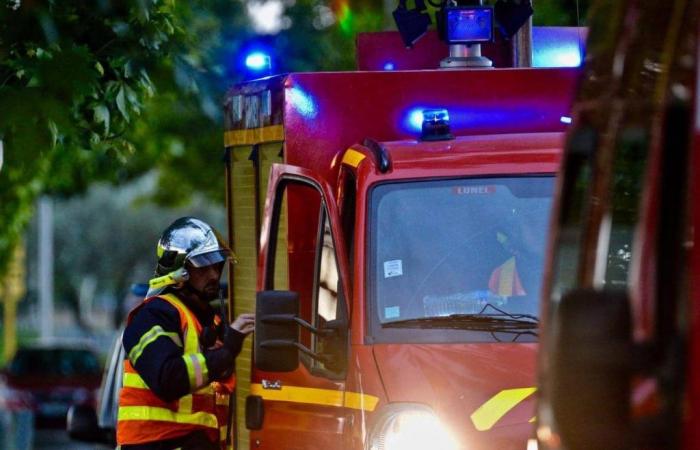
454	248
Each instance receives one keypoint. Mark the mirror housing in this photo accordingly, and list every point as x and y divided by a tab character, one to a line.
81	424
591	366
275	341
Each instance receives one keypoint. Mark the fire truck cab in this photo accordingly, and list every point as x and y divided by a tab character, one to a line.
399	220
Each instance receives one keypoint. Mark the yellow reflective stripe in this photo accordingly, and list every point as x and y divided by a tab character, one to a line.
222	433
197	371
353	158
134	380
147	338
314	396
166	415
505	280
363	402
184	405
252	136
486	416
191	339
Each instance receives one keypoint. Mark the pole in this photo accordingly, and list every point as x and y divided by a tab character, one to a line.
232	419
522	45
46	309
12	289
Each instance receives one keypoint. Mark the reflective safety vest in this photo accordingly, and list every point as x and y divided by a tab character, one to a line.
143	417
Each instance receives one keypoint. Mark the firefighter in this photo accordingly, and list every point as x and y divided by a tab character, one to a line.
178	371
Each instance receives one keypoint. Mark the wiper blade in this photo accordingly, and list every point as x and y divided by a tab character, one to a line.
477	322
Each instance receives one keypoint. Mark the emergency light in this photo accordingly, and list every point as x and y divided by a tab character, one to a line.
436	125
468	24
258	61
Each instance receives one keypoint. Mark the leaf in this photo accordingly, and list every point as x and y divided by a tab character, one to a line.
99	68
102	115
54	132
121	103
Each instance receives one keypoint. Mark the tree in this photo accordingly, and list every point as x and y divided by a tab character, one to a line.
105	240
75	77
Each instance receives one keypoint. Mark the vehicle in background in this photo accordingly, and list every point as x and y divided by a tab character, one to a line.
48	379
98	423
619	365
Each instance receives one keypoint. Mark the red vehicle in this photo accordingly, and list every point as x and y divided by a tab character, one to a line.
620	361
48	379
399	269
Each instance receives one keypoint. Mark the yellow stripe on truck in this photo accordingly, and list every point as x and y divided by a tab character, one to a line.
252	136
315	396
486	416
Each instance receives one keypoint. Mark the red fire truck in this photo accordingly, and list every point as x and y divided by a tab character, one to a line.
620	361
398	220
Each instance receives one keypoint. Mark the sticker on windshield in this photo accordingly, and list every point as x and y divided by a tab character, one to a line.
393	268
392	312
473	190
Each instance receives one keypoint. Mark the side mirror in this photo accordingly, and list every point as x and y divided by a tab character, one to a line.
81	423
276	342
591	370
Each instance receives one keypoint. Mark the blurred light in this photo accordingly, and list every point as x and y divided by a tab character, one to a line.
558	46
532	444
565	119
345	17
414	430
266	17
389	66
258	61
303	102
415	119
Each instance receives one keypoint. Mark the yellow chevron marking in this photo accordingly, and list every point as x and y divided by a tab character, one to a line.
314	396
486	416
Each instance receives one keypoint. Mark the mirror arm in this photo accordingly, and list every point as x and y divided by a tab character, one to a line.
281	343
291	318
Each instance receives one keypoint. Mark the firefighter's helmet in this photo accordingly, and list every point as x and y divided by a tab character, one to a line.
187	240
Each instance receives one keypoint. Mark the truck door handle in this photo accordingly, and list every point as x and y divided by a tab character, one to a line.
254	412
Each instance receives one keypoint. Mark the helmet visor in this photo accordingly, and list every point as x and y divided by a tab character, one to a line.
209	258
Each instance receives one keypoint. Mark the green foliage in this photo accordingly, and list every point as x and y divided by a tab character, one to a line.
74	75
78	84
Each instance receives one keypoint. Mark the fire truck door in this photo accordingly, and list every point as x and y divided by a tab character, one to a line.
302	251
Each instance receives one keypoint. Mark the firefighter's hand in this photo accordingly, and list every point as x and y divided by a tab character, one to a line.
245	323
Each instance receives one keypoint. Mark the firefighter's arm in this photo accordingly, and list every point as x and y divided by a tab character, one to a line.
220	360
153	343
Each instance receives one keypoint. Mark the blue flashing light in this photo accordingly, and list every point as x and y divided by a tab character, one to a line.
303	102
435	115
415	119
389	66
565	119
416	116
258	61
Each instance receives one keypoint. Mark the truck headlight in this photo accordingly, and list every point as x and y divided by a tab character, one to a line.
408	426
